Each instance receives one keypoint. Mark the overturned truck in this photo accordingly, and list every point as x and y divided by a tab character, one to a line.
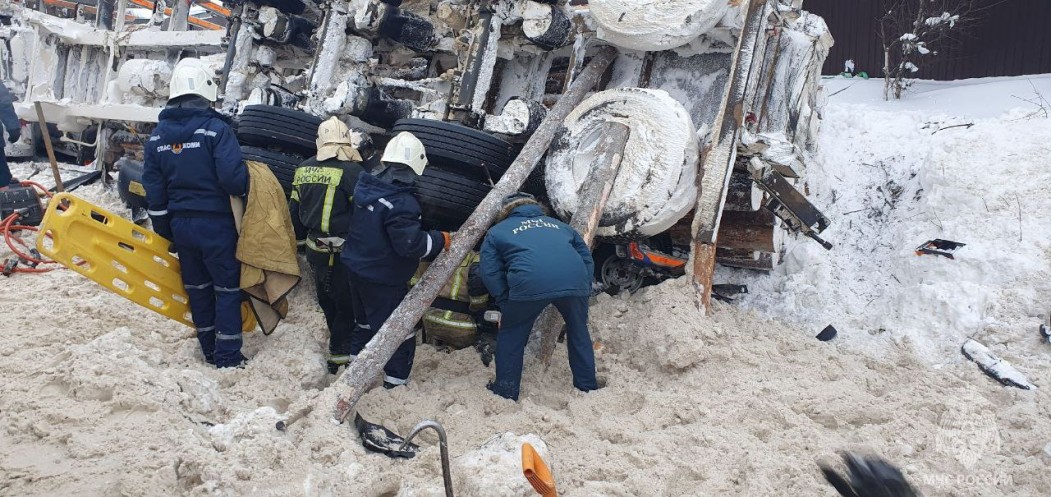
720	98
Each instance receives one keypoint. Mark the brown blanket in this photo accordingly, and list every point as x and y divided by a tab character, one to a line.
266	247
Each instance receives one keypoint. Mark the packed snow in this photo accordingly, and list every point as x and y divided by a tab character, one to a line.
102	397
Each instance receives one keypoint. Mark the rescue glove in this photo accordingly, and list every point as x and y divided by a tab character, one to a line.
868	476
448	239
14	134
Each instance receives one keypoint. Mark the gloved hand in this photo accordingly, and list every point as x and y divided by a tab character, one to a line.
448	239
868	476
14	134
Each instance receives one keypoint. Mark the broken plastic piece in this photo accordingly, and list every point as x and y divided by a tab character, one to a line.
377	438
944	248
998	369
827	334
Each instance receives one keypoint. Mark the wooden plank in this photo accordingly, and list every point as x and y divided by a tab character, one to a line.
345	392
717	158
47	146
595	192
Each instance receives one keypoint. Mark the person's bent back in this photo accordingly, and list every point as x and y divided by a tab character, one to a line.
529	261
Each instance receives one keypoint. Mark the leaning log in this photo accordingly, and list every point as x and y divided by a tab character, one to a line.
362	372
717	158
592	201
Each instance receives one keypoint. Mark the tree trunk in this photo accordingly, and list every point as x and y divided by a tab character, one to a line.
596	190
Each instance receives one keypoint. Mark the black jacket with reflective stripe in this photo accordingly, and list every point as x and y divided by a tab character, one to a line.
322	197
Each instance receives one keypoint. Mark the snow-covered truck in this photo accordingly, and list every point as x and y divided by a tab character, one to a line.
720	97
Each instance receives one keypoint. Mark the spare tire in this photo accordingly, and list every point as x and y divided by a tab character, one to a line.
447	199
457	148
655	26
282	165
286	129
655	186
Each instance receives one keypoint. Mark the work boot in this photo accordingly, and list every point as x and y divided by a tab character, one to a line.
238	363
335	361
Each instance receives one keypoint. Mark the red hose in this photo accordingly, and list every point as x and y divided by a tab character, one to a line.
7	226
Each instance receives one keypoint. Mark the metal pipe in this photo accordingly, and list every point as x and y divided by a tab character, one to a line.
232	32
442	446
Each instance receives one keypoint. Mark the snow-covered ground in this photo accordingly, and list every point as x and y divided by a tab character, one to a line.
963	161
101	397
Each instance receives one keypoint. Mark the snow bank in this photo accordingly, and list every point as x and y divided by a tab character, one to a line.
891	179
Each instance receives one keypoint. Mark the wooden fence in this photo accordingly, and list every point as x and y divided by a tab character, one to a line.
1011	38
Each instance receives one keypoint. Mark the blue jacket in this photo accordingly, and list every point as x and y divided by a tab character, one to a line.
386	241
7	115
530	256
192	166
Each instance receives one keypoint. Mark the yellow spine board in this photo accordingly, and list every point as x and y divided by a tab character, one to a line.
129	260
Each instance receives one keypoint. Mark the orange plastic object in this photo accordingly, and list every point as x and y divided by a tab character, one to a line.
537	472
131	261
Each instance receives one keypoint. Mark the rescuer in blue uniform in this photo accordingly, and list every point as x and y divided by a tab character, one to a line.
386	243
14	131
192	167
530	261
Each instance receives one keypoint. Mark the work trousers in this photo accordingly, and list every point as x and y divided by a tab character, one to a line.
516	322
5	171
212	276
380	301
340	303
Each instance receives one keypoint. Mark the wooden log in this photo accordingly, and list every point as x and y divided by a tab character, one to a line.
742	194
762	261
593	196
748	237
359	376
47	146
718	157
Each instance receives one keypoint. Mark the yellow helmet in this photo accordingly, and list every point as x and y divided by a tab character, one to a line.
334	140
406	149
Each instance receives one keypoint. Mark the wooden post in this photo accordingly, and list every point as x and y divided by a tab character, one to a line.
592	200
717	158
47	145
359	376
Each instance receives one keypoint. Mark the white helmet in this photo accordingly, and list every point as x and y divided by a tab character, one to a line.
406	149
193	77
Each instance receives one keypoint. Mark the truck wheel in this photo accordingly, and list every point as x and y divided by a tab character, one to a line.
655	26
286	129
282	165
447	199
457	148
655	186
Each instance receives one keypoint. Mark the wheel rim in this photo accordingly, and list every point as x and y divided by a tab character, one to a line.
621	273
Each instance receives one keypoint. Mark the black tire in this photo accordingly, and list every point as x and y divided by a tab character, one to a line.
460	149
482	152
275	137
270	126
447	199
456	139
282	165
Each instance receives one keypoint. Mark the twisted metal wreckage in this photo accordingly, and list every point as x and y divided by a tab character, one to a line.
719	98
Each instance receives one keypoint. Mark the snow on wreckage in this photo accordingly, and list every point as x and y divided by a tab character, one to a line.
475	85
